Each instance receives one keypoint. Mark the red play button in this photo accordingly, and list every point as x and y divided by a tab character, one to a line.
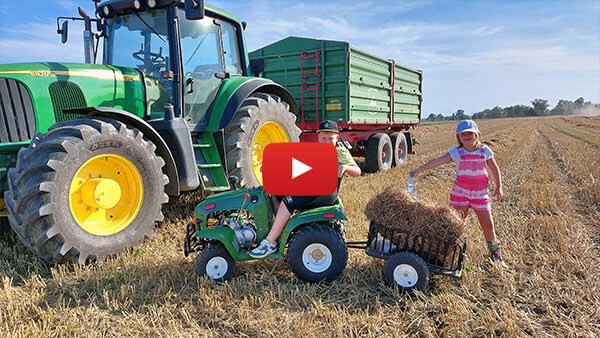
300	169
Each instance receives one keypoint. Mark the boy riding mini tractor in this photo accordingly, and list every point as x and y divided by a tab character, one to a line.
228	225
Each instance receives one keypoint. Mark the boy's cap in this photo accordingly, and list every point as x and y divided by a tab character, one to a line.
328	126
467	125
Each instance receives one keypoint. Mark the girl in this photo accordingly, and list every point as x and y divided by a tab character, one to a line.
470	188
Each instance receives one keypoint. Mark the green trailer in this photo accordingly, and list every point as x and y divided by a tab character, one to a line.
90	152
374	100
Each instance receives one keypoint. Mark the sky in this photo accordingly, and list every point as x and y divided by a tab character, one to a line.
474	54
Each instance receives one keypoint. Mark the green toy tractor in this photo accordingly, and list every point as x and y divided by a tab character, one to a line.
90	152
228	225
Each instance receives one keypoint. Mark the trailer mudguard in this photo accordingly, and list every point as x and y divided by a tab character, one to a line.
234	91
170	169
318	215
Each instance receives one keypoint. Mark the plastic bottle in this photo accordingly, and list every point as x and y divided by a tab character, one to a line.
411	186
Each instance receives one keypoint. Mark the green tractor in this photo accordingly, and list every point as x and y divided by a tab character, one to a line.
90	152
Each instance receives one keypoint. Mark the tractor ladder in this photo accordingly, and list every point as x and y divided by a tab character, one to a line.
306	100
210	168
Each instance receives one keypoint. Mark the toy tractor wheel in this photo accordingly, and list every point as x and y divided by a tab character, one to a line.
317	253
261	120
216	263
407	271
87	189
400	148
378	153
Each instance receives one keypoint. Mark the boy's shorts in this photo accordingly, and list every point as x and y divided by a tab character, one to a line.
478	200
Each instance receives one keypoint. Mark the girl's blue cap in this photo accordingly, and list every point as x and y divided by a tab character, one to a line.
467	125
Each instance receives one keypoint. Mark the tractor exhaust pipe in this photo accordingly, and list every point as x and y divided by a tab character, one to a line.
88	37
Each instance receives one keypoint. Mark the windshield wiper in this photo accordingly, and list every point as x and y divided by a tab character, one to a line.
147	25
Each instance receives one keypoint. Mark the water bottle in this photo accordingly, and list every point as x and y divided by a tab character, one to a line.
411	186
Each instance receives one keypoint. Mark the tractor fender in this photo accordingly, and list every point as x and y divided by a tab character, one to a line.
318	215
170	169
249	87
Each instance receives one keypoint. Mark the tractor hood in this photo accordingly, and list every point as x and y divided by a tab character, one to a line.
44	89
257	202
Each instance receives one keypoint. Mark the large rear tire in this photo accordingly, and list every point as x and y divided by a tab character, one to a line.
262	119
87	189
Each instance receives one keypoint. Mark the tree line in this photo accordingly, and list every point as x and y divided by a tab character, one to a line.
539	107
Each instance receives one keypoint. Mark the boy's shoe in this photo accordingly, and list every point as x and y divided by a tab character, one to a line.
264	249
496	253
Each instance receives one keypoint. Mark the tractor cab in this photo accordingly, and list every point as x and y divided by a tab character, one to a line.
183	61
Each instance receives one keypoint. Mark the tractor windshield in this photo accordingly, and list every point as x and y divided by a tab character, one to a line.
141	40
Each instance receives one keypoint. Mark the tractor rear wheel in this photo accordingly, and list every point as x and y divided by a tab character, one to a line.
317	253
262	119
378	153
87	189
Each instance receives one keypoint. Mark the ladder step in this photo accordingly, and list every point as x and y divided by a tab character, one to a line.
217	188
209	165
201	145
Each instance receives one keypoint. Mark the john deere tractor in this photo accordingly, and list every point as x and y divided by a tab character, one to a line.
90	152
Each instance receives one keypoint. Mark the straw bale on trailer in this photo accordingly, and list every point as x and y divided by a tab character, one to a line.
395	208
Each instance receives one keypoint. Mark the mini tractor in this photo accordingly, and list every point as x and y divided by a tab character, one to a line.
90	152
226	226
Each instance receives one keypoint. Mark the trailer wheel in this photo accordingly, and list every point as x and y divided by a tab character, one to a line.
400	148
317	253
216	263
87	189
379	151
261	120
407	271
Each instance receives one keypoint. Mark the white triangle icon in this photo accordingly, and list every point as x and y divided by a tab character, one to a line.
299	168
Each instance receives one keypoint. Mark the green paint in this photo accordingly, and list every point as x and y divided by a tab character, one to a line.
356	86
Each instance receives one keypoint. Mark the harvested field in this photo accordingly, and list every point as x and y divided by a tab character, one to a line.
549	222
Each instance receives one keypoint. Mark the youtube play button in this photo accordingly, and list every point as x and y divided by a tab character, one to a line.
300	169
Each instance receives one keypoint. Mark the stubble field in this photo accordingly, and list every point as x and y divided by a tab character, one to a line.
548	221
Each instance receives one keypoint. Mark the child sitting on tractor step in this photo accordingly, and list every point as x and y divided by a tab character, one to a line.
471	181
328	133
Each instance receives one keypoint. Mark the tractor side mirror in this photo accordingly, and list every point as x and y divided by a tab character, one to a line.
194	9
64	31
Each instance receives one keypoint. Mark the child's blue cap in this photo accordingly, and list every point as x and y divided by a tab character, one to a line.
467	125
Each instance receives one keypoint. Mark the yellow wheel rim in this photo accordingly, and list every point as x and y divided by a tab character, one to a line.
106	194
270	132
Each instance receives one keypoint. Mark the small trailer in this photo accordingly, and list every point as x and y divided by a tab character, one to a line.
411	257
374	100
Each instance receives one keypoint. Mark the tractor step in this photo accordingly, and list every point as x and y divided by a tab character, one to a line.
210	168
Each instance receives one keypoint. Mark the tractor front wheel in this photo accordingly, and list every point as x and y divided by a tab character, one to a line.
262	119
87	189
317	253
216	263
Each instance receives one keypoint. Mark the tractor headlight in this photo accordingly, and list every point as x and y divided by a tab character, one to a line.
106	11
151	3
137	4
